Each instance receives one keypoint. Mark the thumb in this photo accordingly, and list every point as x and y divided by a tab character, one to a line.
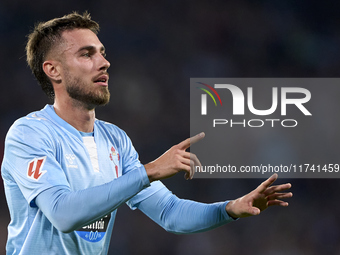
254	211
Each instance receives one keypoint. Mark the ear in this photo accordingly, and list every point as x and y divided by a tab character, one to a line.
51	69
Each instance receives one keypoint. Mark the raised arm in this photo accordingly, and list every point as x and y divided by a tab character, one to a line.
183	216
85	206
69	210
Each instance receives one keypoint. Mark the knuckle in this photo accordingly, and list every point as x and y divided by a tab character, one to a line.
173	148
178	157
178	165
176	150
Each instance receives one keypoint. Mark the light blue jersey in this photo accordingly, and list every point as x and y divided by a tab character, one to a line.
44	151
63	188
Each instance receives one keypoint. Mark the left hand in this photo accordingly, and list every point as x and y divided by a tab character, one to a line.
259	199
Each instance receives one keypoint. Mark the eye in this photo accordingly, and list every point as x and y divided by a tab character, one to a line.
86	54
104	54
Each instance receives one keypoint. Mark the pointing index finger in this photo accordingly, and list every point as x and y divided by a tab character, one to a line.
190	141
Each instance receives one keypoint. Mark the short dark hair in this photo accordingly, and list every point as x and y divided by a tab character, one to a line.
45	36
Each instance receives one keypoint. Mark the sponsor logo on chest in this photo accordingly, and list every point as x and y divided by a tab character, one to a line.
95	231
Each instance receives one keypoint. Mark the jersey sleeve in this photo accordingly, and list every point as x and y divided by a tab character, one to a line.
30	158
70	210
181	216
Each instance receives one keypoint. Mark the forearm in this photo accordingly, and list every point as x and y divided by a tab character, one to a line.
182	216
69	210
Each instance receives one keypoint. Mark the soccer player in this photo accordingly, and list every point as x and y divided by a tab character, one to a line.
66	173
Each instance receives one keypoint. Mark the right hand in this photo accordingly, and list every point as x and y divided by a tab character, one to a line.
175	160
259	199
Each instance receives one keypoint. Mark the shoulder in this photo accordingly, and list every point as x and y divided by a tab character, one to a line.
29	127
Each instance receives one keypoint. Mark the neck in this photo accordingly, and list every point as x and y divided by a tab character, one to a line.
78	115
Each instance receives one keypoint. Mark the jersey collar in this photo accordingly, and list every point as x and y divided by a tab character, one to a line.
49	109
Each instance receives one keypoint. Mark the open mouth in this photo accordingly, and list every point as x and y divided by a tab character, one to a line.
102	79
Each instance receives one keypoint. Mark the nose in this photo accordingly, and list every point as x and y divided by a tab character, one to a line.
104	64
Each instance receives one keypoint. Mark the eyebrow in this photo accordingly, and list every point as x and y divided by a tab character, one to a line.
91	48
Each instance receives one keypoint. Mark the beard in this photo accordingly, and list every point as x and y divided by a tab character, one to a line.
89	95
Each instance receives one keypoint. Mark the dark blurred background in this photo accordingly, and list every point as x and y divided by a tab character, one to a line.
154	48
